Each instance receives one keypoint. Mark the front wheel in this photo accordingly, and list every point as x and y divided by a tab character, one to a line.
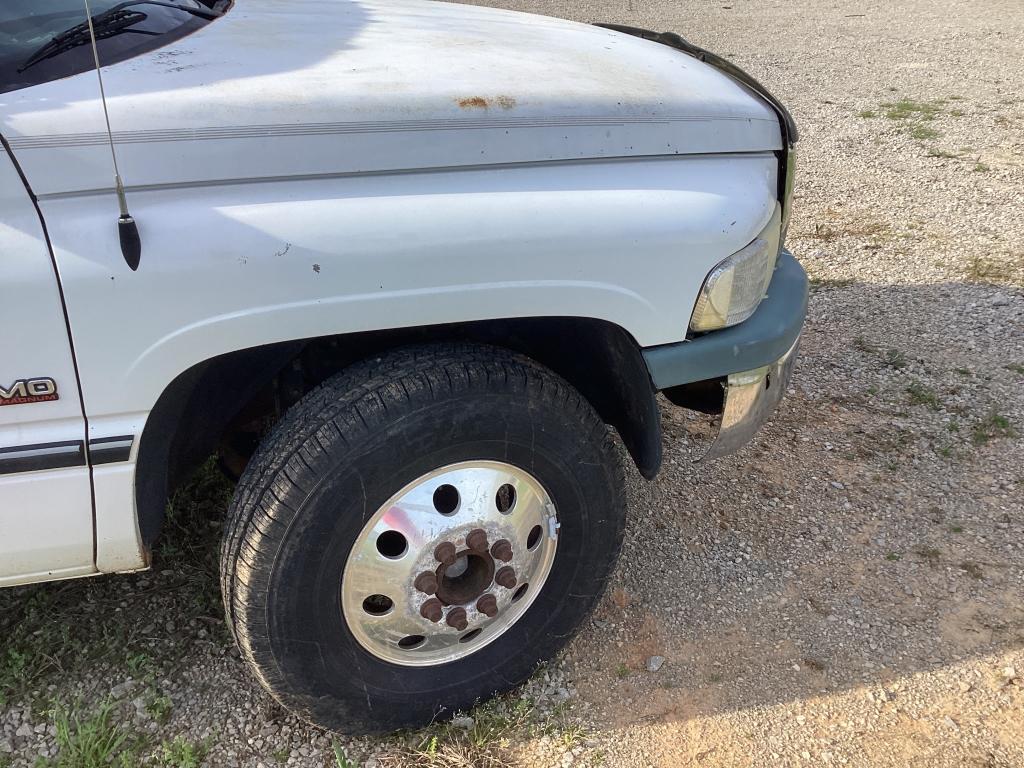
418	534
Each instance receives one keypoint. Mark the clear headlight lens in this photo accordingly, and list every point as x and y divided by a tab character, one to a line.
735	287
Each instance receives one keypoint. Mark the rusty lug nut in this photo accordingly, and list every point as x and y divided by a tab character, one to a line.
426	583
445	552
488	605
432	610
477	540
457	618
502	550
505	577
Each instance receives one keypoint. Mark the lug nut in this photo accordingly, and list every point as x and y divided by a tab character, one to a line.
488	605
445	552
505	577
502	550
432	610
426	583
477	540
457	618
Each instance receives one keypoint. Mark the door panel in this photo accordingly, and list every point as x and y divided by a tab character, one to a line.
46	524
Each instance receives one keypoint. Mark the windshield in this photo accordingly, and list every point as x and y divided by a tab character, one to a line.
43	40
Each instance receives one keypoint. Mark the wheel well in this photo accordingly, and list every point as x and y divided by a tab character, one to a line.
229	401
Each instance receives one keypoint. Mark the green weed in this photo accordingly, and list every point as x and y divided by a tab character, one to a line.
182	753
924	133
921	394
992	426
340	757
908	109
894	358
92	740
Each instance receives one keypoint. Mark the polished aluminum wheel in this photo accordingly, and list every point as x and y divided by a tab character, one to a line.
449	563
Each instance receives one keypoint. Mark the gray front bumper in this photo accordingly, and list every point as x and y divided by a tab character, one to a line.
755	358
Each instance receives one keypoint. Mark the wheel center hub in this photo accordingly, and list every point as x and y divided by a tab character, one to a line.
466	579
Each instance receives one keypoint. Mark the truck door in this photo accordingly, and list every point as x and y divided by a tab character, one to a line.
46	518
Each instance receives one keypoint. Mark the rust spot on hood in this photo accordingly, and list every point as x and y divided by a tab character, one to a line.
474	102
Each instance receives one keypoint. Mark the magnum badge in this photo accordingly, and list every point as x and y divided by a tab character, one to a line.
24	391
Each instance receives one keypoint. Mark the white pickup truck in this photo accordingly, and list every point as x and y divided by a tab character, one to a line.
401	265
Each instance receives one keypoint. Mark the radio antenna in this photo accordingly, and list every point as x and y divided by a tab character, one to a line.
127	229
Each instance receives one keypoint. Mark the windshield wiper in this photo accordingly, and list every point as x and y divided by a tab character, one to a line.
112	21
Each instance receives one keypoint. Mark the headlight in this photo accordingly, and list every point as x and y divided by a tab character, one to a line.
735	287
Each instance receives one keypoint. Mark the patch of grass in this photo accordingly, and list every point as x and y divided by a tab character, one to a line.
867	113
921	394
483	744
909	109
894	557
854	227
964	371
1015	367
924	133
181	753
159	706
956	529
140	665
980	168
912	115
945	451
992	426
894	358
841	282
983	270
92	740
51	630
281	754
942	153
340	757
621	671
862	345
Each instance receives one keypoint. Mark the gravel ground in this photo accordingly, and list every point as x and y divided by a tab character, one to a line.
847	590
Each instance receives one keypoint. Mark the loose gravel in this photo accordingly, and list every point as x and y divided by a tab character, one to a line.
847	590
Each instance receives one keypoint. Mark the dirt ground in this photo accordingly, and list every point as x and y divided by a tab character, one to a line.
848	590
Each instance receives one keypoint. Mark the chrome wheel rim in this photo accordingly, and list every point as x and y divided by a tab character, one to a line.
449	563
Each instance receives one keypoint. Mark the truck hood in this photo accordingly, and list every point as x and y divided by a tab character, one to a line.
278	88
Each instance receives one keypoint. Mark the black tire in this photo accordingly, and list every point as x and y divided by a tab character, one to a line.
338	455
